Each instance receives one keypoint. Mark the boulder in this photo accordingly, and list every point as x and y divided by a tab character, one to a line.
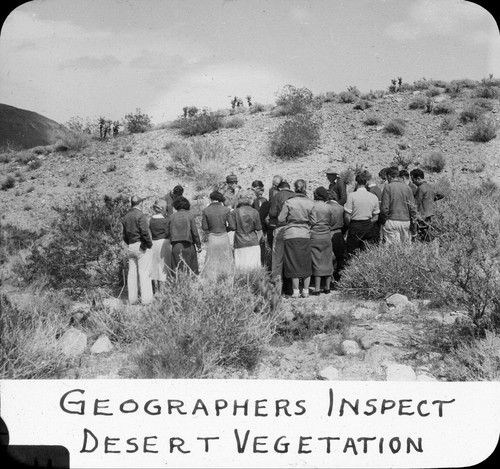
329	373
102	345
350	347
397	300
73	342
397	372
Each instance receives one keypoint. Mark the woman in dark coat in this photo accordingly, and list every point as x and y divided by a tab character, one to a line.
184	237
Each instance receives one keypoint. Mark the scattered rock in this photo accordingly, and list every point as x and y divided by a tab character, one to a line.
397	372
380	355
379	337
364	313
329	373
350	347
73	342
102	345
397	300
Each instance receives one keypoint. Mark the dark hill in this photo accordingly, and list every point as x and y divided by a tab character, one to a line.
26	129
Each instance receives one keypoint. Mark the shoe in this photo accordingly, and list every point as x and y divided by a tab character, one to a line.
315	293
296	294
326	291
305	294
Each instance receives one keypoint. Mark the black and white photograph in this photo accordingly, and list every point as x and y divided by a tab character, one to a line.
250	219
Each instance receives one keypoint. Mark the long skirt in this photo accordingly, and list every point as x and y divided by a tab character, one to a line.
247	258
322	256
162	259
219	255
184	256
298	258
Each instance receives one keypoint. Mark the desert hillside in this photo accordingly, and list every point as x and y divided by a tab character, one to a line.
141	163
26	129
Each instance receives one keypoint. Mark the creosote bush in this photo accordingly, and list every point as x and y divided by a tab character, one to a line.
443	108
293	100
296	136
396	127
200	123
434	161
449	122
202	324
363	104
420	102
137	122
483	130
372	120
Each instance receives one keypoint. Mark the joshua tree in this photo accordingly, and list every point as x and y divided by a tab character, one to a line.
249	100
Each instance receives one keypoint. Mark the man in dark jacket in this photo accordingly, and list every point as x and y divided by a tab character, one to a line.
138	239
337	185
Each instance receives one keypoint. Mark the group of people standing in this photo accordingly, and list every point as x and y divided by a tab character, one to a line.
295	237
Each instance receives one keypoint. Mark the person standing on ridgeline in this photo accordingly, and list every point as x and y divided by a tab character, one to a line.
360	215
322	221
424	199
162	250
244	220
398	209
184	237
138	239
278	249
296	215
337	185
214	221
337	234
171	197
261	204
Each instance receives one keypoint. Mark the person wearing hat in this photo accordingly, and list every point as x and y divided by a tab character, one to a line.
231	191
171	197
162	250
337	185
136	236
214	222
322	221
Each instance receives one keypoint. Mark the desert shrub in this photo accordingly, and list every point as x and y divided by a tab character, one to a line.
71	141
6	158
346	97
484	103
296	136
202	324
401	160
434	161
443	108
471	113
234	122
8	183
420	102
475	361
201	123
372	120
449	122
483	130
432	91
256	107
35	164
182	157
293	100
363	104
28	333
85	250
422	84
395	126
488	92
376	272
25	157
138	122
329	97
13	239
151	165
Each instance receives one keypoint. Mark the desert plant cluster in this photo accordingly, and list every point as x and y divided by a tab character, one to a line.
80	257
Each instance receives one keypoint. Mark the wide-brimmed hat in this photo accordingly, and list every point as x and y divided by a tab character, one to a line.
332	171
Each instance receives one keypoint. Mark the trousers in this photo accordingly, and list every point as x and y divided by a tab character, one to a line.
139	274
396	232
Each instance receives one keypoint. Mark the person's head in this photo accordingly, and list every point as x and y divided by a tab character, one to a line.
417	176
216	196
245	197
321	194
178	191
405	176
276	180
160	206
332	175
231	180
300	186
135	201
362	178
393	174
283	185
258	188
383	174
366	174
182	204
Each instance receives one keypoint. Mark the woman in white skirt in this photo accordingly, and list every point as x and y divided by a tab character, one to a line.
244	220
162	250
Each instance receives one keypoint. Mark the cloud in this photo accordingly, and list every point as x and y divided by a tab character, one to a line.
90	63
443	17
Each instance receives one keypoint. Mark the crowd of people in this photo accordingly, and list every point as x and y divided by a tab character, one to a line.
295	237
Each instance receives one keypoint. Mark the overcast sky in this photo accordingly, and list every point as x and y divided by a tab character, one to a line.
87	58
